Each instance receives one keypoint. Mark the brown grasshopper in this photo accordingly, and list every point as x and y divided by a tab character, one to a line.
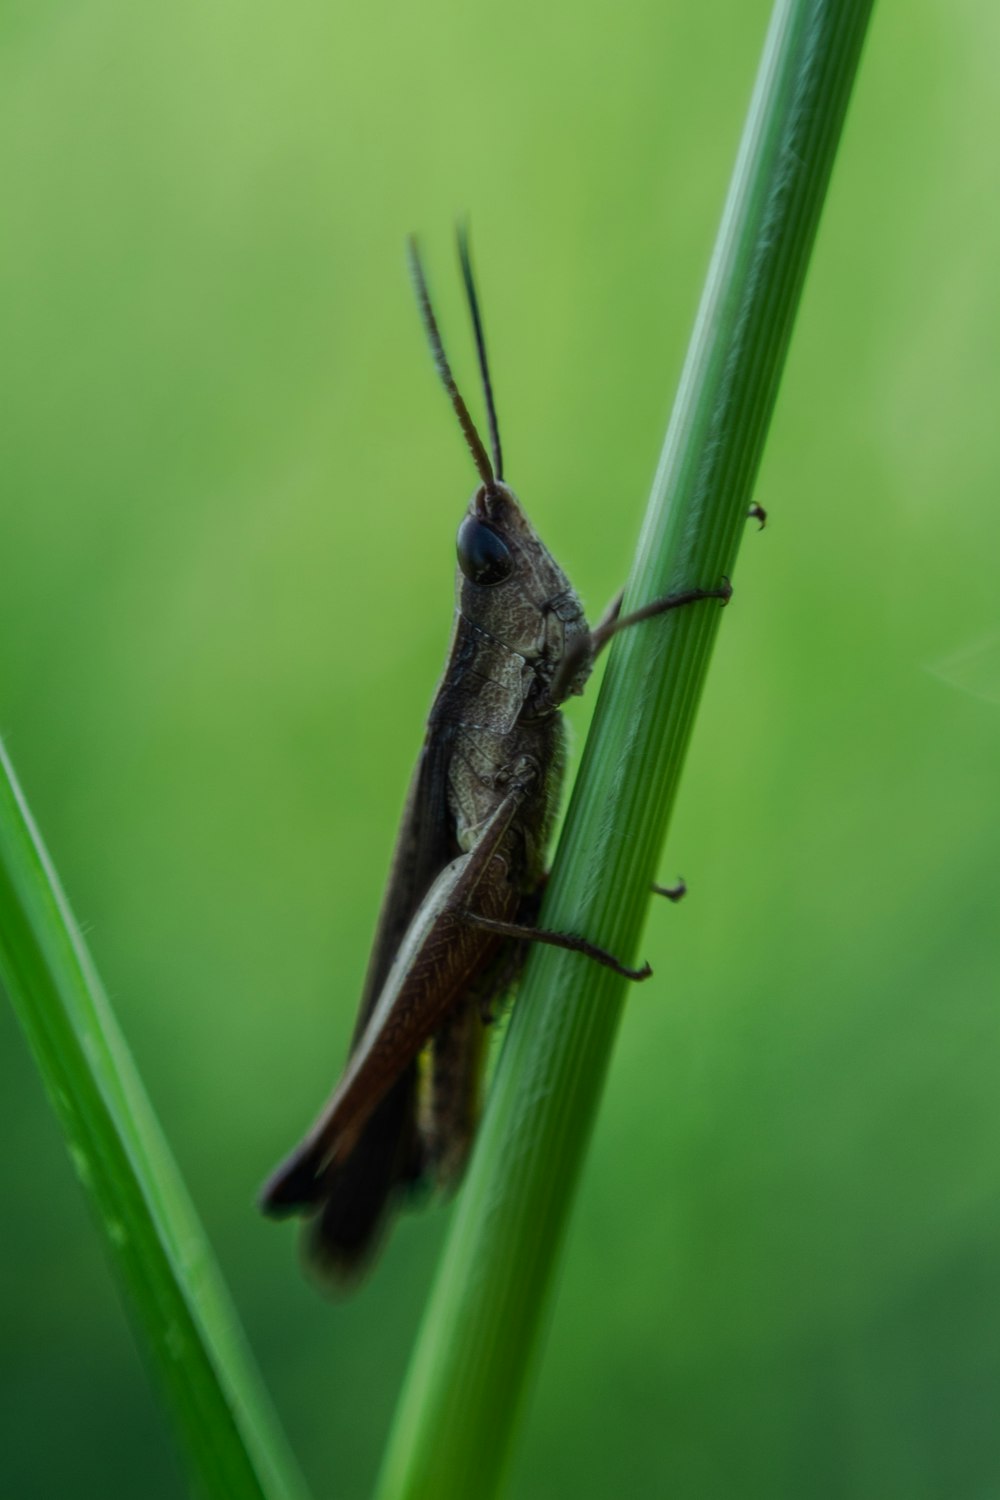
469	866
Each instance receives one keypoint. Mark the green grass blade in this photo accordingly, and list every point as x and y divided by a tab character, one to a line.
180	1310
466	1383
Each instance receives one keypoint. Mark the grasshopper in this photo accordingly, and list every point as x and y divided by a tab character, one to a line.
465	885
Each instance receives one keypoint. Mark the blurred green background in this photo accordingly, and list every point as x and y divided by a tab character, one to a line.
230	492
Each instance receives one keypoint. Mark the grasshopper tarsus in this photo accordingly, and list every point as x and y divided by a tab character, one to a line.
757	513
672	892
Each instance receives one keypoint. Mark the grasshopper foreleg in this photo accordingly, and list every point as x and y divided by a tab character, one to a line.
612	621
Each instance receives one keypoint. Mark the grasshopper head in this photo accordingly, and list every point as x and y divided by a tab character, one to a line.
510	586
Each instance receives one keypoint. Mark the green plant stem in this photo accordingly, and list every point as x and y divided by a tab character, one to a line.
466	1383
183	1318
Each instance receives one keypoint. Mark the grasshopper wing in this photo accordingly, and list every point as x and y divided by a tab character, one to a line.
351	1198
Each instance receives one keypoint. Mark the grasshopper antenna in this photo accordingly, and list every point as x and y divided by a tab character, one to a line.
462	236
475	442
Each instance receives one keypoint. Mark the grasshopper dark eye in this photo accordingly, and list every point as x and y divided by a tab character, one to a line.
483	556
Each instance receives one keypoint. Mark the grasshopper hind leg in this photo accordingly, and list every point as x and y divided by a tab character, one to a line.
451	1083
451	1095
